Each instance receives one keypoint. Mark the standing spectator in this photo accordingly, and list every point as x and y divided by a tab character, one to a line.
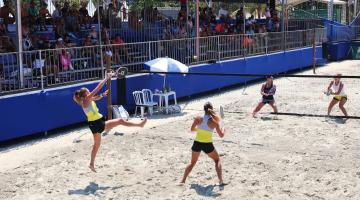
94	35
223	11
24	12
66	9
60	28
85	18
267	13
43	13
105	36
33	14
5	12
57	14
72	21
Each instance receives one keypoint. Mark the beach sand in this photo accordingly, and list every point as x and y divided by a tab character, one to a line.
269	157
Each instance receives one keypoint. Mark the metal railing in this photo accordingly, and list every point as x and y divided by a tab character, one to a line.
49	68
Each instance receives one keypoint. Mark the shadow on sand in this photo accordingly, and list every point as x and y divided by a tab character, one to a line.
206	191
92	188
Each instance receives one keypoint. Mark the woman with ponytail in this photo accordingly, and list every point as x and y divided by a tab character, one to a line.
204	128
97	123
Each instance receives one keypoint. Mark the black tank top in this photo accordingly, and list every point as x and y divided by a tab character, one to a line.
268	90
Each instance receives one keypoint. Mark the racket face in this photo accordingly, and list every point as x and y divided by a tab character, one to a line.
222	115
121	72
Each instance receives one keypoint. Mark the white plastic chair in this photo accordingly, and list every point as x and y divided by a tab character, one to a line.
138	98
148	100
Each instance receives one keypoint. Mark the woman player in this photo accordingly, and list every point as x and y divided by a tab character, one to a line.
96	121
267	91
337	89
204	126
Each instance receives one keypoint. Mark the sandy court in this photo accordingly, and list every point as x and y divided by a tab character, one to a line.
287	157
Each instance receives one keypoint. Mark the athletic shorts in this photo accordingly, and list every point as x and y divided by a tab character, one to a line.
339	98
97	126
205	147
265	101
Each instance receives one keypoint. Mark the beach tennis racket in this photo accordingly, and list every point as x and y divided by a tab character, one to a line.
222	115
121	72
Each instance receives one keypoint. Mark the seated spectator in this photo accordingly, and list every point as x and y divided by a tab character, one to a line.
119	49
250	31
38	65
219	29
6	45
183	33
33	13
65	60
87	41
276	22
43	13
247	42
85	18
94	35
68	42
60	44
262	28
5	12
43	64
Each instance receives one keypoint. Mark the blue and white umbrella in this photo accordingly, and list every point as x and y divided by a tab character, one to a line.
166	65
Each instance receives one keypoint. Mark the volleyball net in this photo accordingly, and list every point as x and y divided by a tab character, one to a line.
303	95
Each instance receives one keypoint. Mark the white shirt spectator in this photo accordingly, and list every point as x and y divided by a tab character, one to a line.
38	63
223	12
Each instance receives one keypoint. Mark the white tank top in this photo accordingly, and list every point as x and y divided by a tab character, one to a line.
335	89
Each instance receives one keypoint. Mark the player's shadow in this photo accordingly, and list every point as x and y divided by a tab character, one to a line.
206	191
92	188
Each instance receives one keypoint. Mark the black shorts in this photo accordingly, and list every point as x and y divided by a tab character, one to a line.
97	126
265	101
205	147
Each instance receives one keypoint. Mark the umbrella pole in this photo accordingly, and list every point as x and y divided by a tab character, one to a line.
164	82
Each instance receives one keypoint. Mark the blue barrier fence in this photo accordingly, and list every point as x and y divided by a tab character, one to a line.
34	112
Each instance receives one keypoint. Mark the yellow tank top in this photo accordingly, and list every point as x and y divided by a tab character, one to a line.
204	133
92	112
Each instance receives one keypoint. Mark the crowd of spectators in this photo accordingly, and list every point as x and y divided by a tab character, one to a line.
75	26
68	23
221	23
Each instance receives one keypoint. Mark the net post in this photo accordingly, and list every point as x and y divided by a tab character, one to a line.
41	72
314	51
108	86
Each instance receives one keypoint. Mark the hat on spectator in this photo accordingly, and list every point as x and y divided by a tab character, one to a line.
60	39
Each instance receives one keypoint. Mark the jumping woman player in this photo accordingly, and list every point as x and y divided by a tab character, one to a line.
337	89
204	126
267	91
96	121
